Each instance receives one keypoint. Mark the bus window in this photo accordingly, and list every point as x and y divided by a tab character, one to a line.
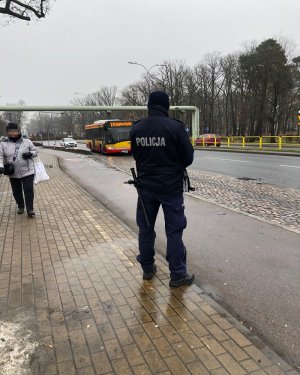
114	135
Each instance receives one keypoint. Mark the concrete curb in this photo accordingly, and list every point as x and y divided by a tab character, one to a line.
71	150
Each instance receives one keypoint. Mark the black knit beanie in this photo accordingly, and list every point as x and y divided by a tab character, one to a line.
12	126
159	98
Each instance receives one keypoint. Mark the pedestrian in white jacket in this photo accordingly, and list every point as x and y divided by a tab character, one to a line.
16	161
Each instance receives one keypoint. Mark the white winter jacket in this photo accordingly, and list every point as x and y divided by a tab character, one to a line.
23	168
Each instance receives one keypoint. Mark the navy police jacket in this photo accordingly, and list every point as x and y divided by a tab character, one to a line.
162	150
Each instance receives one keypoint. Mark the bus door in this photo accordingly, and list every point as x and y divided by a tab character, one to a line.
97	139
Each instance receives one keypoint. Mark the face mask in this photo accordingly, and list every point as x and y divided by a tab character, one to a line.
15	139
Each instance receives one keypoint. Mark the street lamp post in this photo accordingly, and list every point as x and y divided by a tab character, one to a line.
147	71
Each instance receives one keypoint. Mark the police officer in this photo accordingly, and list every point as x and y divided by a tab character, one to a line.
162	151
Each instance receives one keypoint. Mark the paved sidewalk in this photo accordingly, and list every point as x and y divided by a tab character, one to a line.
70	277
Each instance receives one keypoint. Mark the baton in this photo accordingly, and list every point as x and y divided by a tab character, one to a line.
135	183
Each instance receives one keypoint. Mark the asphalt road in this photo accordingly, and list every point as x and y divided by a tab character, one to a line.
250	267
272	169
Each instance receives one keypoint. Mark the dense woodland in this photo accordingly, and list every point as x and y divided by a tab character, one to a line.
255	92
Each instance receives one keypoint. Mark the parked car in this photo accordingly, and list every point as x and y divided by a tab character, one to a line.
68	142
208	139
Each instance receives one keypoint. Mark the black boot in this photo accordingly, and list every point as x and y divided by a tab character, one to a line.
31	213
20	210
185	279
149	275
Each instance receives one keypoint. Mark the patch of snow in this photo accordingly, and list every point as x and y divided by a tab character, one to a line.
16	349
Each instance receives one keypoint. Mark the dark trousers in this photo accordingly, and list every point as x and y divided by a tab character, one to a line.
175	223
19	185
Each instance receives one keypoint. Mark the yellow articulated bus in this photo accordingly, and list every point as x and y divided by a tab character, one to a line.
109	136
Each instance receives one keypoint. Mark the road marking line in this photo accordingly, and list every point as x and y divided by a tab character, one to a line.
289	166
240	161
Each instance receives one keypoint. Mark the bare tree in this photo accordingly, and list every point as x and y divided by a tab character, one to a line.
83	118
171	78
25	9
135	94
2	126
229	65
105	96
17	117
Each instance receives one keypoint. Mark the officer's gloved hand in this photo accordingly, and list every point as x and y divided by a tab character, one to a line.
1	170
27	155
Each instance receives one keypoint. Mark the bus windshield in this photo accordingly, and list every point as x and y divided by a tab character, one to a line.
114	135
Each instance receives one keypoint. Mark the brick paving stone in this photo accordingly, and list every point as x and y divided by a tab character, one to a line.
101	363
219	371
249	365
155	362
212	344
142	370
72	272
258	356
82	357
273	370
191	339
124	336
66	368
164	347
238	337
184	352
207	358
86	371
133	355
196	368
232	348
121	366
143	342
63	351
231	365
221	321
198	328
176	366
171	334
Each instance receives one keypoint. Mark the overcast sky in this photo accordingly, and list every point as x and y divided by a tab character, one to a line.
82	45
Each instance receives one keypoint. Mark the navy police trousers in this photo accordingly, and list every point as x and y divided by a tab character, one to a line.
175	223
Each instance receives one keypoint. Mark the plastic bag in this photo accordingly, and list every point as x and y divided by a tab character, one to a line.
40	174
